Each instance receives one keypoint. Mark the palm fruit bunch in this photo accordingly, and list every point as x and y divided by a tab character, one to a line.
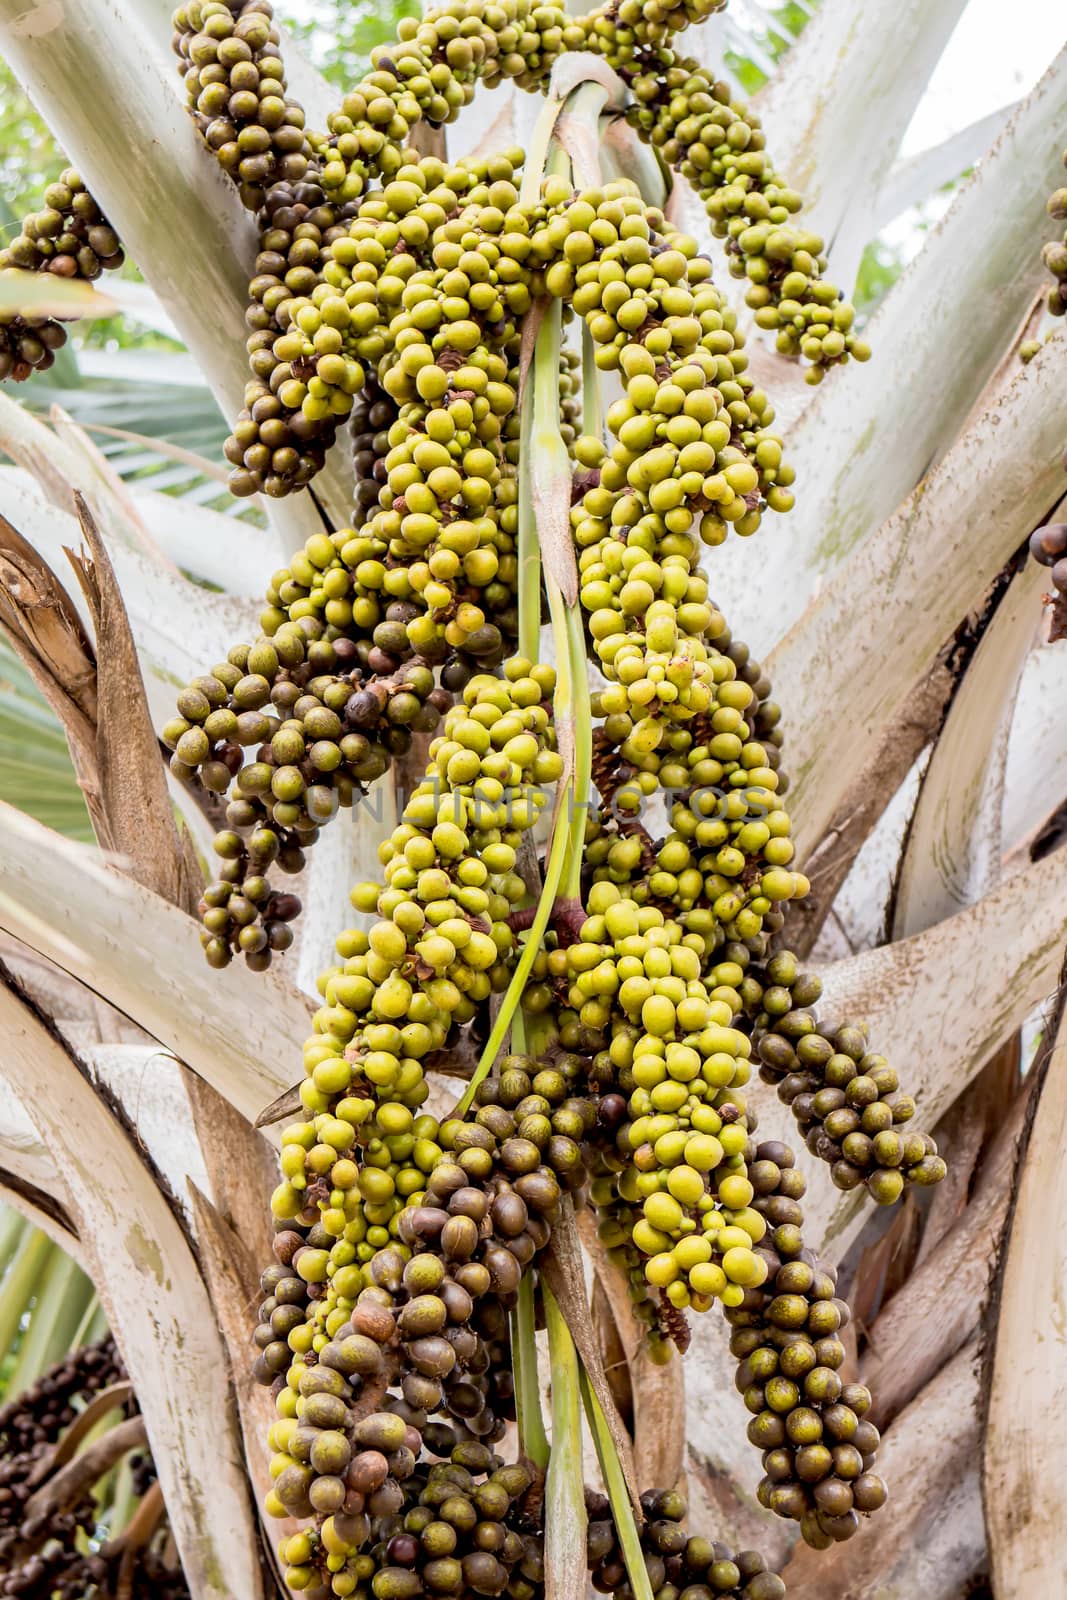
57	1553
1055	255
392	290
439	949
236	88
716	142
321	724
448	1529
818	1448
718	145
268	449
70	238
676	1562
32	1423
680	1142
424	1314
359	322
843	1095
430	73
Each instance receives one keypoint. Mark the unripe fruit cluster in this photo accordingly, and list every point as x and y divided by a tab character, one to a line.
843	1095
235	86
319	731
818	1448
674	1559
424	1310
69	238
718	145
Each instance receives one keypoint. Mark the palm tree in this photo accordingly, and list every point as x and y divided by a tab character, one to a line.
904	630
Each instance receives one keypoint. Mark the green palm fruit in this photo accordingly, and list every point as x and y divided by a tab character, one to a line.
843	1095
818	1448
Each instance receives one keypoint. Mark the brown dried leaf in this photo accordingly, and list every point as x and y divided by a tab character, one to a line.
942	1303
284	1106
45	631
531	327
612	1351
658	1391
132	786
72	1482
884	1266
242	1166
116	1394
1024	1465
229	1267
964	1135
561	1267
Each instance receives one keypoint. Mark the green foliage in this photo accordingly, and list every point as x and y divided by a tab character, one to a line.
35	769
879	269
339	35
788	23
28	153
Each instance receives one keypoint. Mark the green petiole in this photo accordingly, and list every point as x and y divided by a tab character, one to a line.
557	856
621	1507
533	1440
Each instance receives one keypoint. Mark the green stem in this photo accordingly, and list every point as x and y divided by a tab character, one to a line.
615	1483
578	688
583	752
551	454
529	548
62	1294
85	1326
565	1484
533	1441
592	398
22	1281
537	155
557	855
13	1228
541	1034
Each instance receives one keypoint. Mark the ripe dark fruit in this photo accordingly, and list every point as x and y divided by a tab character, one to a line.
1049	543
